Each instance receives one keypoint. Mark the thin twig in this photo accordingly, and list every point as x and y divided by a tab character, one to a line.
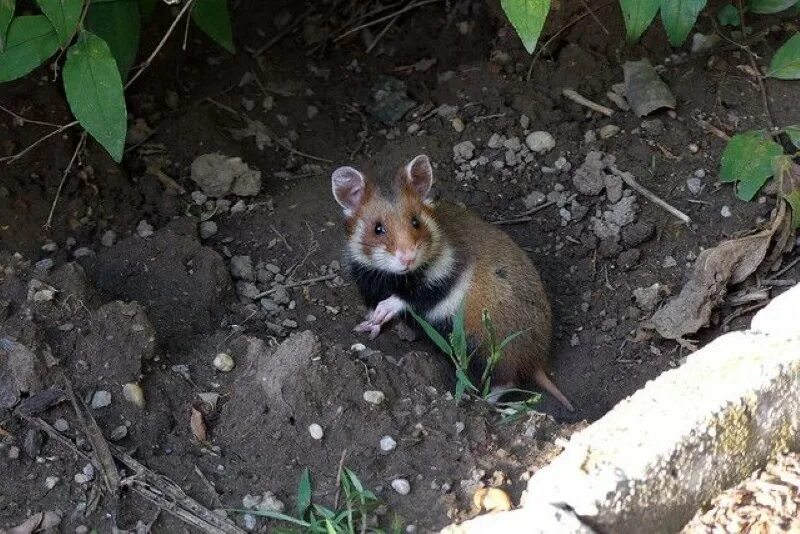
61	129
526	216
283	33
385	29
339	480
25	119
366	25
710	128
564	28
81	142
186	7
786	268
583	101
306	282
283	238
595	17
633	184
754	64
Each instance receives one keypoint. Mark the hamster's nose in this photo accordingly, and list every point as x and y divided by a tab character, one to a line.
406	257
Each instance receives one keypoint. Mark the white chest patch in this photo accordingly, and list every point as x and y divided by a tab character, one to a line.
448	306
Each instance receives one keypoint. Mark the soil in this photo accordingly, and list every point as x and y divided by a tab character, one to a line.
157	309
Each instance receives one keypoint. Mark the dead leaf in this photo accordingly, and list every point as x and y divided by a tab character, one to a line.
198	426
730	262
41	521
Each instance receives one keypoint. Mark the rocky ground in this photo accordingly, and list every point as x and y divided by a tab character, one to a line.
194	297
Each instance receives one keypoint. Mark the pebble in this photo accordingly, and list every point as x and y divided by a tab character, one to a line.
700	173
281	295
208	229
83	252
358	347
250	521
457	124
199	198
61	425
613	185
534	199
609	130
694	185
250	501
669	262
224	362
647	297
540	142
401	486
590	136
49	247
43	266
50	482
374	397
412	128
133	393
316	431
13	452
239	207
101	399
495	141
311	112
119	433
726	211
464	150
242	268
109	238
388	444
144	229
694	148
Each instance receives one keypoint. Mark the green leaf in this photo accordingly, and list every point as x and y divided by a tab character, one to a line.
118	24
63	15
354	480
510	338
431	332
304	493
147	7
729	16
766	7
31	41
785	63
94	92
275	515
527	17
638	15
679	17
794	134
213	18
6	14
748	160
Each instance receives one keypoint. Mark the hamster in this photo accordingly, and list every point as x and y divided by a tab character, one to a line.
405	251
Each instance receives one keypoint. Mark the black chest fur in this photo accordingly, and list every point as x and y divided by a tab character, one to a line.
419	293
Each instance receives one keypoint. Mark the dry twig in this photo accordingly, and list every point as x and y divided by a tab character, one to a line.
81	143
526	216
633	184
306	282
583	101
397	13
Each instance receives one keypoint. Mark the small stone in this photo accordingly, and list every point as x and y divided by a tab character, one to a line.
540	142
694	185
316	431
208	229
613	185
629	258
13	452
388	444
513	144
281	296
250	521
495	141
457	124
270	503
464	150
239	207
101	399
83	252
224	362
109	238
250	501
524	121
50	482
694	148
647	297
401	486
726	211
669	262
133	393
700	173
61	425
575	340
703	43
44	266
637	233
49	247
242	268
311	112
534	199
589	136
144	229
609	130
412	128
119	433
358	347
374	397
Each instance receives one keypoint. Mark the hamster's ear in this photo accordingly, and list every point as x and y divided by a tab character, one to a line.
419	175
348	187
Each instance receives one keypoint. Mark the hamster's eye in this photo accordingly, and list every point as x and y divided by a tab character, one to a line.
379	229
415	222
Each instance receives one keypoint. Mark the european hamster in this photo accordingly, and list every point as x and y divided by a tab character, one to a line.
404	250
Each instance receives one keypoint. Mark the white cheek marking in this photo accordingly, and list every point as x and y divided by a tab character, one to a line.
387	262
449	305
354	247
442	267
